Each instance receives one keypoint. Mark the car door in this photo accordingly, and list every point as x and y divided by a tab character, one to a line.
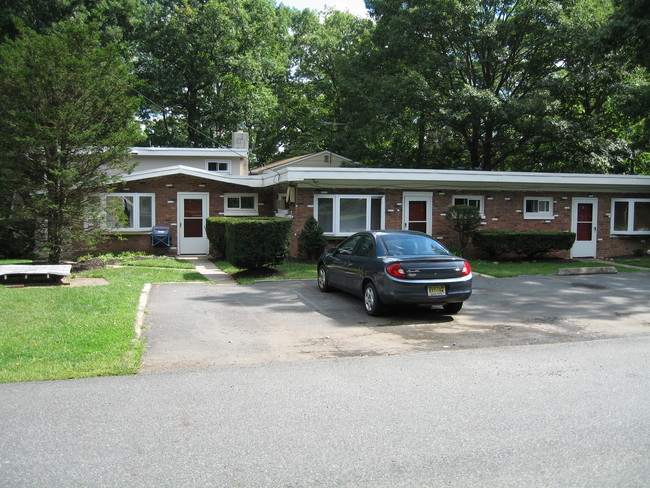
363	252
339	261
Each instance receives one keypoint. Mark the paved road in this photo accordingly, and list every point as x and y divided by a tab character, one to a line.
556	415
197	325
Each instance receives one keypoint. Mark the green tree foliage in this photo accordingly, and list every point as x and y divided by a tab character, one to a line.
67	123
496	85
208	68
311	114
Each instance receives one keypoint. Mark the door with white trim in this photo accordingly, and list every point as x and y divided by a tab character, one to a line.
417	211
192	212
584	222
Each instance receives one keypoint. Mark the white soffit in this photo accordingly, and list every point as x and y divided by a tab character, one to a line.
250	181
391	178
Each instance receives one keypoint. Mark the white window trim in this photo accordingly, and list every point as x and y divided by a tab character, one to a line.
539	215
240	212
218	161
336	220
480	198
136	210
630	217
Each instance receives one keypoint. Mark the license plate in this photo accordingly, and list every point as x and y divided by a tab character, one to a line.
436	291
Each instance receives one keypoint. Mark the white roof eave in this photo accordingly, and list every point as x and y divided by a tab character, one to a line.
247	180
392	178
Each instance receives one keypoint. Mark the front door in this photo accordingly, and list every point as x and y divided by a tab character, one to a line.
417	211
584	224
192	212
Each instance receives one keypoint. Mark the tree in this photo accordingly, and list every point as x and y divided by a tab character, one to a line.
208	65
68	124
498	85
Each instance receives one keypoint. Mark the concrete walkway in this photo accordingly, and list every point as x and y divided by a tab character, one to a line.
208	269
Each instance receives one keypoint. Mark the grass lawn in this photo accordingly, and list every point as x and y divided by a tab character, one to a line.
644	262
63	332
505	269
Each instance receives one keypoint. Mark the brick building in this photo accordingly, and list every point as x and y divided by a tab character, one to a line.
180	187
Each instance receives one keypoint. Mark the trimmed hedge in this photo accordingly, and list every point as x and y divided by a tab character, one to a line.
250	242
530	244
17	237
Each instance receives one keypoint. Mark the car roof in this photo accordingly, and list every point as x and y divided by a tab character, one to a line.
396	232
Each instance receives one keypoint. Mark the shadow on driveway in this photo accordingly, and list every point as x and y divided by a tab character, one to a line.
193	325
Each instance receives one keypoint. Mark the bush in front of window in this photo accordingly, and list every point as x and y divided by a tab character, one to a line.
311	240
465	219
17	237
526	243
252	242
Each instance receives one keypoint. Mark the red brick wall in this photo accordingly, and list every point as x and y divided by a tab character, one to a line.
503	211
166	207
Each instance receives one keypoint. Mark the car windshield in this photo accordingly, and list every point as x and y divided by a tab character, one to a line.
412	244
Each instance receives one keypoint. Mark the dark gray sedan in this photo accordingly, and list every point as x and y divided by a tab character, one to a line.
396	267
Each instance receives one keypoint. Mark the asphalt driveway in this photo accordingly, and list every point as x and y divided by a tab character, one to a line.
191	325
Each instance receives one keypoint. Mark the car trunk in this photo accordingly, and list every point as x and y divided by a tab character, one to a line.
432	269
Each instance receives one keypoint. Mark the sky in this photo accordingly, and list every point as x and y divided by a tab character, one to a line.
356	7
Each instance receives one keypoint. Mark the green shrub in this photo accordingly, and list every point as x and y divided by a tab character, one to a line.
311	240
17	237
215	228
251	242
530	243
465	219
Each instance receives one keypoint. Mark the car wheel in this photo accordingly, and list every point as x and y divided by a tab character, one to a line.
452	307
371	300
323	284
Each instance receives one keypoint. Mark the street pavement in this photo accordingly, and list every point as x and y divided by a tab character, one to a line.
553	415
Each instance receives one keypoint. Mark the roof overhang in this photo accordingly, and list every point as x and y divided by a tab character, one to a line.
250	181
421	179
413	179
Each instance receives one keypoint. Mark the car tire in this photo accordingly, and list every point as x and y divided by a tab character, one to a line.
371	300
452	308
323	282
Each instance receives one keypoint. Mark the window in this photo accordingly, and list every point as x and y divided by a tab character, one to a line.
470	200
631	216
218	166
538	208
240	204
342	215
129	211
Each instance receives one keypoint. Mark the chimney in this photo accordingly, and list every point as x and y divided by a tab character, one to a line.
240	141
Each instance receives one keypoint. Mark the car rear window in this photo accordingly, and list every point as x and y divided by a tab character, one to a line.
400	245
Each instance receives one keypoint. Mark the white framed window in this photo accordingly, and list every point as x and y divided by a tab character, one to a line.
630	216
538	207
343	215
130	211
240	204
470	200
218	166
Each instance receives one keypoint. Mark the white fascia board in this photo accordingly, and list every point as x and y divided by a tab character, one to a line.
249	181
386	178
210	152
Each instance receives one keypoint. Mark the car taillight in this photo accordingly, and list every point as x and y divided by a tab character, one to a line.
396	270
467	269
